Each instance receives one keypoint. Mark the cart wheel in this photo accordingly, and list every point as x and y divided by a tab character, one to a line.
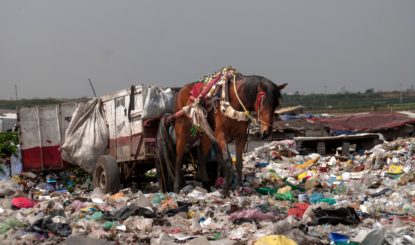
107	175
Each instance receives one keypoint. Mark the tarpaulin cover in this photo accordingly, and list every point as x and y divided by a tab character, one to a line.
86	137
158	102
368	122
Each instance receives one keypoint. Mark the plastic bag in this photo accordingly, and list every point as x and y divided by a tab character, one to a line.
346	216
128	211
86	137
48	224
158	102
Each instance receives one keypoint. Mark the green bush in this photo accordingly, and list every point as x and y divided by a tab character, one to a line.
8	146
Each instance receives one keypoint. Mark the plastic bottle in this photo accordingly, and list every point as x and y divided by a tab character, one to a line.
157	198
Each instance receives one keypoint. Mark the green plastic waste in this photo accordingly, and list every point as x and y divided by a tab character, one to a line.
330	201
157	198
393	176
266	190
295	187
10	223
287	196
107	225
96	216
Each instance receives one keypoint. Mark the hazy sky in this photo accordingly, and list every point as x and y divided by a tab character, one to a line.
51	48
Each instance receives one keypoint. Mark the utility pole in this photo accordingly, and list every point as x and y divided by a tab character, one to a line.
400	93
325	96
15	91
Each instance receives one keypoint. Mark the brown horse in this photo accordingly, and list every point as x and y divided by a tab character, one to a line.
255	94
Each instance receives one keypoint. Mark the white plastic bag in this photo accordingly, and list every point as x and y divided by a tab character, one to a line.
157	103
86	137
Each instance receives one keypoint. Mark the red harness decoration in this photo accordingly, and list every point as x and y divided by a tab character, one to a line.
259	97
196	89
200	89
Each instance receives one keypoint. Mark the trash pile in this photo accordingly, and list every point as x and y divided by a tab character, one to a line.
286	198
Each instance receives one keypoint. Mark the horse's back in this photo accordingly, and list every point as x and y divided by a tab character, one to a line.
183	95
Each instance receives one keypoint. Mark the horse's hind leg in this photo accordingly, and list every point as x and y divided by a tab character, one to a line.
204	148
227	161
180	148
240	143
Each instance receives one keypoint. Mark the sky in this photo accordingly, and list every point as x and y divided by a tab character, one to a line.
50	48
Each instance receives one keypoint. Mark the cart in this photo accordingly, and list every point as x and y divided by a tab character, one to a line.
131	143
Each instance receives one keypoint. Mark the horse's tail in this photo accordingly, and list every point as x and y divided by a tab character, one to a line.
166	155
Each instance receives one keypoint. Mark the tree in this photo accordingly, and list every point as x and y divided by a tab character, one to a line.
370	91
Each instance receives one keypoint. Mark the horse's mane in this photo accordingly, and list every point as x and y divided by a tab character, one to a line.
250	89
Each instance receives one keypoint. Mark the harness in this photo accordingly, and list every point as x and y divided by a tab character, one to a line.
198	113
244	115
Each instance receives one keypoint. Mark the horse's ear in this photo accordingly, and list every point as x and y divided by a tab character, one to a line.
282	86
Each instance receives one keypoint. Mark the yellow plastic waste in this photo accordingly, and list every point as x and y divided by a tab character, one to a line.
16	179
275	240
395	169
190	214
305	174
302	176
308	163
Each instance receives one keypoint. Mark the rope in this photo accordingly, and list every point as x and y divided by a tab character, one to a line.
259	120
240	102
237	96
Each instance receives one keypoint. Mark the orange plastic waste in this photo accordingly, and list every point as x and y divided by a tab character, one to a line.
117	196
308	163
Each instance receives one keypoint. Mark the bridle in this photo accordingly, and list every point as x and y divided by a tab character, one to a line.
258	104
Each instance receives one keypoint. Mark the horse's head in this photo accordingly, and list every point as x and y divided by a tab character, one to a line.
267	100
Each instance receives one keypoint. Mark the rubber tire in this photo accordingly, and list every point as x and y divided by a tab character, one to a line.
107	174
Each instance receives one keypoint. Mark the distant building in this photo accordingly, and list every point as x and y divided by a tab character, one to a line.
7	121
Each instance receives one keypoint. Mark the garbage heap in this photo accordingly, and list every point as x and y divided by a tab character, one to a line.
286	198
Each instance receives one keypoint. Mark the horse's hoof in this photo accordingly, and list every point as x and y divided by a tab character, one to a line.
238	191
225	193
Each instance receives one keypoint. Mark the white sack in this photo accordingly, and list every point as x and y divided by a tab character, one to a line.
86	137
157	103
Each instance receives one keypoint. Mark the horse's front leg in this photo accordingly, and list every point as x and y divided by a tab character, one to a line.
227	161
240	143
203	151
